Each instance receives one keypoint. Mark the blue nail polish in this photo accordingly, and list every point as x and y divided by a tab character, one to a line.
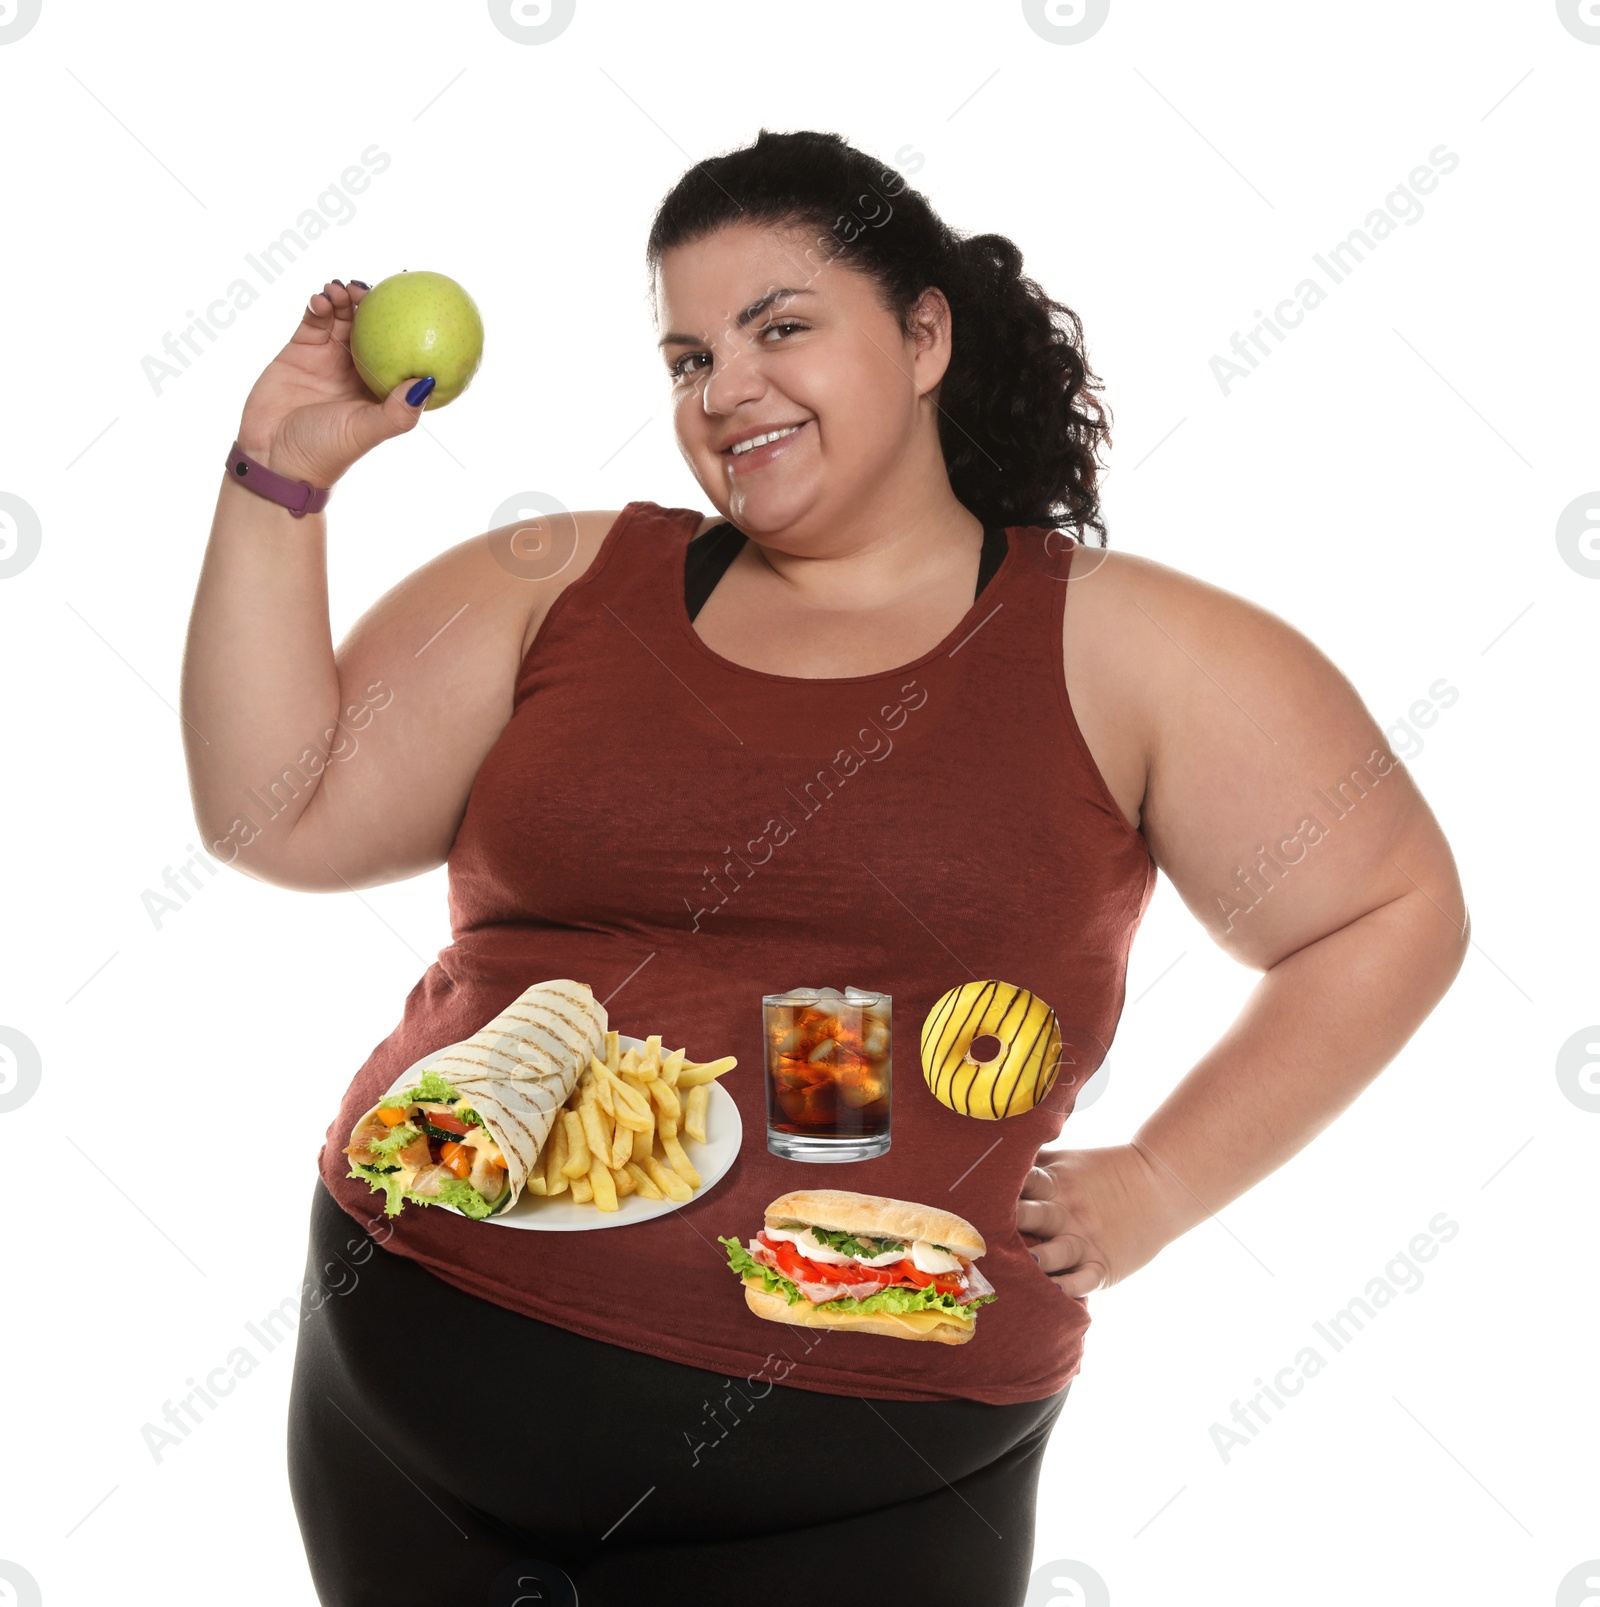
362	282
419	392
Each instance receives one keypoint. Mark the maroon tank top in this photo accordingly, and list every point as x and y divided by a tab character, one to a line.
685	834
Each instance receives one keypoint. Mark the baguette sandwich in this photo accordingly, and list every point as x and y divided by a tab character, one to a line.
828	1258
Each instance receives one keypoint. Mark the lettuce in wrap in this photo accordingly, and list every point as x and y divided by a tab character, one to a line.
427	1145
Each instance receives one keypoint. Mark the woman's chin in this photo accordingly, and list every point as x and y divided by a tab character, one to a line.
768	507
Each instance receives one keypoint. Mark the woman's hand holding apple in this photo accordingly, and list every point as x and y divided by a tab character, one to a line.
310	416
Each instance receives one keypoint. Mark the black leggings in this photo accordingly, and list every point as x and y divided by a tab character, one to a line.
446	1452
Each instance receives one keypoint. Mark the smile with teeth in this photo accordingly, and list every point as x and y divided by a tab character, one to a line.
742	447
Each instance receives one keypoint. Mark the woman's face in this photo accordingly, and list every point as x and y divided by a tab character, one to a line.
758	336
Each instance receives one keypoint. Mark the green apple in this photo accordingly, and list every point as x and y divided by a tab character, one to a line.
416	324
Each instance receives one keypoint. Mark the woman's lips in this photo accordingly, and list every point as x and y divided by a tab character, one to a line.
743	462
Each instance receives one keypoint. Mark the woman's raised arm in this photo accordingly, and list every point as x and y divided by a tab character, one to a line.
324	770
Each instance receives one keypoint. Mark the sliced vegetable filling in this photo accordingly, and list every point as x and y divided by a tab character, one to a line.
425	1144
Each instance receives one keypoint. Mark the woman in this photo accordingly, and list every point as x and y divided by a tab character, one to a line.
821	736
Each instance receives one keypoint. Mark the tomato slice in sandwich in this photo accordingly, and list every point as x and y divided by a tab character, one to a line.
944	1283
854	1272
790	1262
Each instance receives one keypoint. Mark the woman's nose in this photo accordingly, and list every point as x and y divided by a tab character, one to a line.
737	380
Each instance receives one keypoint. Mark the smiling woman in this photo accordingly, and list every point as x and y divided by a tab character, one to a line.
899	435
922	371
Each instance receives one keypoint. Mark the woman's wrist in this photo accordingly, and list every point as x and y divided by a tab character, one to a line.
1173	1206
275	457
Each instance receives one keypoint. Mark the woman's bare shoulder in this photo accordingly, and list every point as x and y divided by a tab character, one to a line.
545	555
540	556
1123	619
546	558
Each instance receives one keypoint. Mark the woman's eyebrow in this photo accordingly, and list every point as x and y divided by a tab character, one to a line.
749	315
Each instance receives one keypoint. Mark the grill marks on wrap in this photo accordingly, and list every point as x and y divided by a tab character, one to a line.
484	1098
515	1077
533	1046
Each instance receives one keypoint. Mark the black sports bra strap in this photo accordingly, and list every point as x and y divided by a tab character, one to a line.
710	553
713	550
995	547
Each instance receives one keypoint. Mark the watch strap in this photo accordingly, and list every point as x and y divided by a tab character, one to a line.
300	497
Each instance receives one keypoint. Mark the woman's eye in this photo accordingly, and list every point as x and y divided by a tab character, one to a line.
677	370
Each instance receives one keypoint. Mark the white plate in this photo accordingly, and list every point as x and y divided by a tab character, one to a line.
712	1159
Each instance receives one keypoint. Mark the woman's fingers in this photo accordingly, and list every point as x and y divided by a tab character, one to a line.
1067	1258
1071	1264
1082	1280
329	312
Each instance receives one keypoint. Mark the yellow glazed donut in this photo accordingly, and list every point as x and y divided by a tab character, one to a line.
990	1049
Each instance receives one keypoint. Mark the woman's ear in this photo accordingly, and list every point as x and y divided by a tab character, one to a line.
932	325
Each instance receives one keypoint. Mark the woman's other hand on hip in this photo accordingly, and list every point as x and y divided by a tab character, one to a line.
1092	1217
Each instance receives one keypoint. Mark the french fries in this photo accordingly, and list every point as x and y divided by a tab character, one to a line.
621	1098
712	1069
679	1160
694	1112
671	1067
554	1157
666	1100
593	1127
621	1147
669	1183
577	1162
619	1131
603	1184
602	1090
642	1182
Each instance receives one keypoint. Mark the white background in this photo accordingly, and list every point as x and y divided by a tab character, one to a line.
1389	481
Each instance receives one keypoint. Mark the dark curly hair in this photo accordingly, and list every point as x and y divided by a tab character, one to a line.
1019	421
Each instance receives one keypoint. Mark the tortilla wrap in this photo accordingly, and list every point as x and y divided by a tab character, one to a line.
516	1073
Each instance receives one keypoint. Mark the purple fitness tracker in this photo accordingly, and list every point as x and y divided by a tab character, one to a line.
300	497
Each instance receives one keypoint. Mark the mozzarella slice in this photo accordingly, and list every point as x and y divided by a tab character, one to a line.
812	1247
925	1258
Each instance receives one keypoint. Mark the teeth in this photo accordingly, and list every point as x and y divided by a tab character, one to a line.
761	440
